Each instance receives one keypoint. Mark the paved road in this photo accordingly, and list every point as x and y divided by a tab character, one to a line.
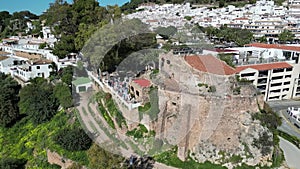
283	104
280	107
291	153
287	126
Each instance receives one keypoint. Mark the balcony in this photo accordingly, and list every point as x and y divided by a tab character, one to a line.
277	81
262	76
275	84
247	75
278	72
285	90
262	81
274	98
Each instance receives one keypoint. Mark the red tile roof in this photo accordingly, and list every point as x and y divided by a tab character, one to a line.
142	82
210	64
275	46
268	66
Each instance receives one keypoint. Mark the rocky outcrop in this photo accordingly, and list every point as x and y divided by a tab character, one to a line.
54	158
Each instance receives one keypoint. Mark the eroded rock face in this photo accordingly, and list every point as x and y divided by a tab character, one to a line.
55	158
213	125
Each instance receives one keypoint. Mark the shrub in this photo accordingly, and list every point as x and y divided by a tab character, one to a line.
237	91
139	132
12	163
73	139
202	84
264	143
144	108
107	96
212	89
170	158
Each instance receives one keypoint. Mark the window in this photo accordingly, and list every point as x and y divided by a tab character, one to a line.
275	84
277	77
278	70
247	74
37	67
285	89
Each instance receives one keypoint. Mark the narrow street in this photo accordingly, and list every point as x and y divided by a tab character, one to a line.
291	153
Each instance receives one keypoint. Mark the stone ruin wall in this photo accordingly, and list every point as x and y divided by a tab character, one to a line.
190	118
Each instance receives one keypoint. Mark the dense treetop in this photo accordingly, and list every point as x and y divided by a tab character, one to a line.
9	111
38	101
12	24
73	24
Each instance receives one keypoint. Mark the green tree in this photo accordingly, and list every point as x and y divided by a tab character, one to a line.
84	33
166	32
221	3
73	24
73	139
286	36
67	75
101	159
75	166
12	163
42	45
228	59
262	39
63	94
188	18
9	110
15	23
38	101
115	11
65	46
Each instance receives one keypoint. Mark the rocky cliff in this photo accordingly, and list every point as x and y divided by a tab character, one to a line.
209	116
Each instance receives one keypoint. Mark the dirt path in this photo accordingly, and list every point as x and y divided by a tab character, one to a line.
91	121
88	120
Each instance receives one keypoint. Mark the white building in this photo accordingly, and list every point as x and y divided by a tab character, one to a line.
7	64
47	33
294	8
276	74
32	69
275	80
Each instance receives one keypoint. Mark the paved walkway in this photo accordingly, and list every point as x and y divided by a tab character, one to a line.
291	153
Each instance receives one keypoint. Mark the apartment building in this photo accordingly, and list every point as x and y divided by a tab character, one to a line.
270	28
278	79
294	8
275	80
